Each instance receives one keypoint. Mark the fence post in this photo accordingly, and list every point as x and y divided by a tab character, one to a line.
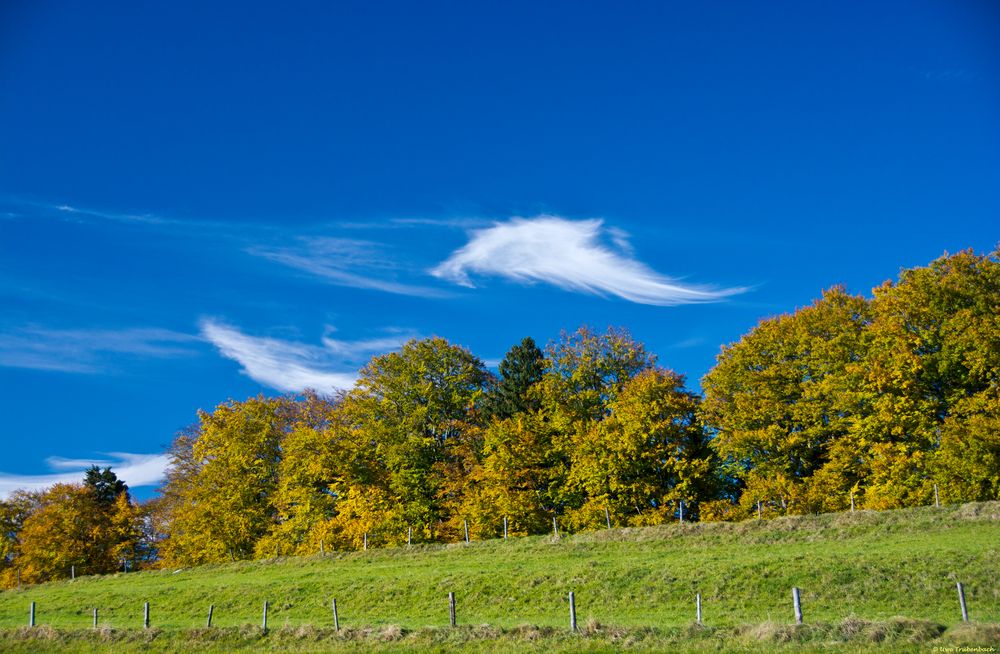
682	511
466	523
336	618
211	609
759	514
72	572
505	527
31	615
961	602
797	603
451	609
145	615
937	499
555	527
607	517
409	536
322	548
572	612
263	624
366	541
697	608
852	501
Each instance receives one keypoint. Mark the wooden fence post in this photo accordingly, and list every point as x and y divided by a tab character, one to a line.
607	517
466	522
95	617
31	615
263	624
336	618
697	608
505	527
572	612
145	615
72	573
759	514
451	609
211	609
555	527
322	548
852	501
937	499
366	541
797	604
961	602
409	536
682	511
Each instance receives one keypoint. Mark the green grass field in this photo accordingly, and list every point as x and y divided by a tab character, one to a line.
634	589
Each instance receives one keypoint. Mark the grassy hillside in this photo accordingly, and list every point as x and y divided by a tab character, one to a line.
864	566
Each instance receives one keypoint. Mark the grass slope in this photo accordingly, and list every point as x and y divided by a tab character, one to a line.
864	566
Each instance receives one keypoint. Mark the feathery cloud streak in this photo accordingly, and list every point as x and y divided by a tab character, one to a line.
340	260
290	366
136	470
87	350
569	254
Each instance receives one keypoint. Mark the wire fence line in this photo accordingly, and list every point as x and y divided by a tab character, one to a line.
795	612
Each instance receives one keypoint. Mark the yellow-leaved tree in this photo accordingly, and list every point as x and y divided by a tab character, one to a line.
221	483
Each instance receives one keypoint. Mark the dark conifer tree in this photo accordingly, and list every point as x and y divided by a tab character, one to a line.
105	485
521	368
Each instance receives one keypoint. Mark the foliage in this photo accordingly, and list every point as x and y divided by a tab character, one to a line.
521	368
777	401
89	528
104	484
228	476
879	400
648	455
879	403
408	419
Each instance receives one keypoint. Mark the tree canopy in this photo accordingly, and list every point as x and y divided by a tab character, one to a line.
878	400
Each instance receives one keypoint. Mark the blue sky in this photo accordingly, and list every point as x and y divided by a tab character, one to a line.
202	203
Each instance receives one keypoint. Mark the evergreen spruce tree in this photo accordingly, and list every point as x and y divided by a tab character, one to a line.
521	368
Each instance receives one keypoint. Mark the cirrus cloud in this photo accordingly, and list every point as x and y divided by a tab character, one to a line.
290	366
136	470
572	255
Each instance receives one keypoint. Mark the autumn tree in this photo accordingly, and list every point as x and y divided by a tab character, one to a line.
585	370
645	457
602	428
13	512
311	468
882	399
223	481
519	475
65	530
779	403
408	416
930	380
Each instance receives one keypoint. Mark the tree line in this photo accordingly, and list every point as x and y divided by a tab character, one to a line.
878	401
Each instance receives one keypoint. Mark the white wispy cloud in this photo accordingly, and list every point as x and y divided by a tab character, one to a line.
344	262
87	350
136	470
291	366
572	255
198	228
147	219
